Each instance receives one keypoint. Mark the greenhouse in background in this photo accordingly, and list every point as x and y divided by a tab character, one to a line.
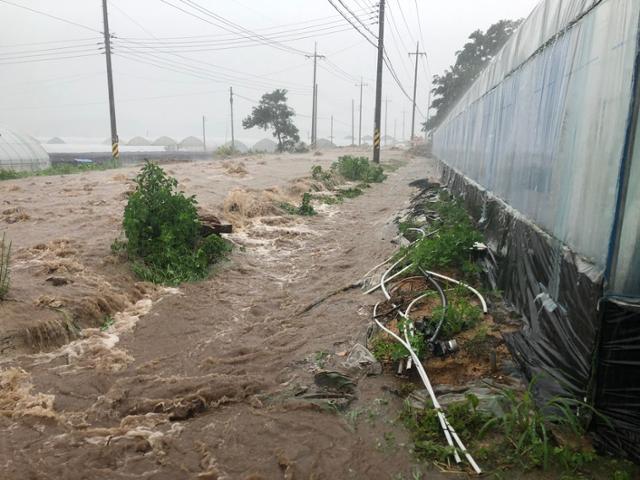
21	152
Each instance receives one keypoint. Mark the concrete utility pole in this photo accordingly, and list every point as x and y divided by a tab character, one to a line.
233	139
314	107
404	113
378	111
204	134
415	88
386	112
115	147
395	124
353	116
331	136
361	84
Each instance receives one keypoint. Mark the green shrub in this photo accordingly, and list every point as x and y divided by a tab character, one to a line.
226	151
163	232
358	169
5	253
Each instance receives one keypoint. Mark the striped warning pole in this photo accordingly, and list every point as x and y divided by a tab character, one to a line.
376	142
115	150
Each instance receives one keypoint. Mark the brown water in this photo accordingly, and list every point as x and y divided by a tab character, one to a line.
204	381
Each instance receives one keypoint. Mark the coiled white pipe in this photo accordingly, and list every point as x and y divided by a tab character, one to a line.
462	284
449	432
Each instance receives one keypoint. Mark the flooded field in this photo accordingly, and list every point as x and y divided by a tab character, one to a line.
107	377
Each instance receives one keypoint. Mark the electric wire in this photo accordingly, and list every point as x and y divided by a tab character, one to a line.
352	24
54	17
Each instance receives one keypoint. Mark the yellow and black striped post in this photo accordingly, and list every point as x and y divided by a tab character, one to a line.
376	139
115	151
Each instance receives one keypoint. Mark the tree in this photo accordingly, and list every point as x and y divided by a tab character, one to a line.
273	113
449	87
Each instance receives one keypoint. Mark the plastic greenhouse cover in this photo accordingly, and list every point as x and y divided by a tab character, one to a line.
21	152
543	127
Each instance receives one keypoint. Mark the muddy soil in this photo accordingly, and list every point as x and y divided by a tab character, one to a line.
211	380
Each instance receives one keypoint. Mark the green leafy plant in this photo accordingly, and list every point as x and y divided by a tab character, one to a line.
358	169
451	244
108	321
5	270
305	208
163	232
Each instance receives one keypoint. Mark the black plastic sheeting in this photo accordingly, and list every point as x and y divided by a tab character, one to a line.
618	387
555	292
572	345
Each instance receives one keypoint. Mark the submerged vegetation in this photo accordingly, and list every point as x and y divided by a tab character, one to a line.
5	270
58	169
305	208
358	169
163	235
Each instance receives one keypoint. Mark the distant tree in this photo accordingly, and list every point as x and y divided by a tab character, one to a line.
273	113
449	87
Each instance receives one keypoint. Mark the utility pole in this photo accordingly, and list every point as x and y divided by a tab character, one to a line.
415	88
353	116
404	113
331	137
204	134
378	112
115	147
395	124
361	84
314	107
386	111
233	139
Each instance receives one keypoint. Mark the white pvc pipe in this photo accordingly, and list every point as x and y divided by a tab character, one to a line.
449	431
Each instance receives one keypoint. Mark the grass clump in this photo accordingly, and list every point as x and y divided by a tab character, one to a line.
58	169
5	254
460	315
305	208
358	169
163	232
426	433
528	437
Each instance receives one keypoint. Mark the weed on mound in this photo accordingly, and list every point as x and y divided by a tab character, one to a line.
358	169
163	232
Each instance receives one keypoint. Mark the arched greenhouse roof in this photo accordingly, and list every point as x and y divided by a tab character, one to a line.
19	151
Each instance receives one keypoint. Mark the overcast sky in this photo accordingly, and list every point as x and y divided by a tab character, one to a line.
172	68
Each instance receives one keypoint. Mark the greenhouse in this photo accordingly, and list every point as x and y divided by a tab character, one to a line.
21	152
544	147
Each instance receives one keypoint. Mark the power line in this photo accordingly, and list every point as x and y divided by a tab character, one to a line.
352	24
39	12
229	26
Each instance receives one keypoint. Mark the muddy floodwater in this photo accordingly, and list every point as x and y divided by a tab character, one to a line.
106	377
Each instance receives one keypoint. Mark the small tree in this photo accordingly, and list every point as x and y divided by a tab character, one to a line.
273	113
449	87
